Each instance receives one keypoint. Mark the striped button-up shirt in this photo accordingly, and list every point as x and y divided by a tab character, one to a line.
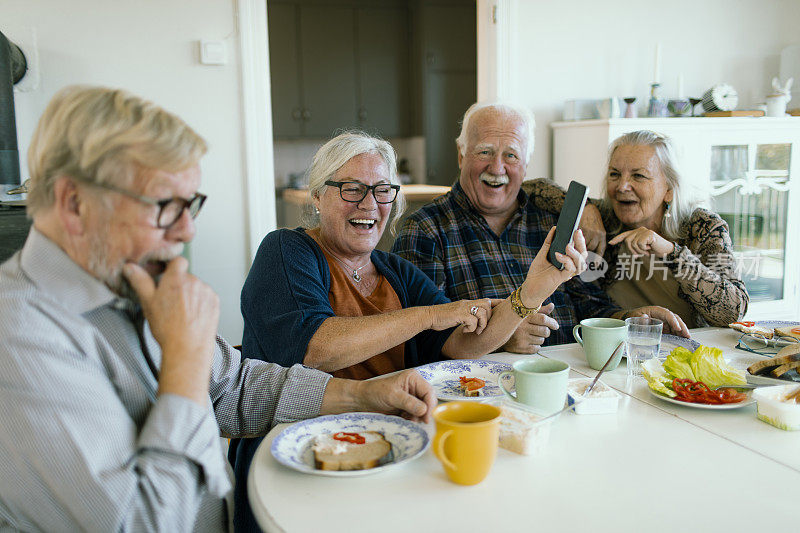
452	243
86	442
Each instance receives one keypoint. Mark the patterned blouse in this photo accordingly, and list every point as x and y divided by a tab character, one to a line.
702	263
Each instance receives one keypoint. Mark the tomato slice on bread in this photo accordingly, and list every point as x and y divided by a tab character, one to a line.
471	384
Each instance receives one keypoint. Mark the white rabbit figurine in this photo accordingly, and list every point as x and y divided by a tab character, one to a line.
776	102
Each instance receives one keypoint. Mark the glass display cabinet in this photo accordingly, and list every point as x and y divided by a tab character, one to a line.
746	166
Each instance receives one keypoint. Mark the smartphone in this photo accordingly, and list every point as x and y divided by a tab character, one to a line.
568	220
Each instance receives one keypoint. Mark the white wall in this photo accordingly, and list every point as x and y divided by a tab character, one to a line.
149	48
295	157
590	49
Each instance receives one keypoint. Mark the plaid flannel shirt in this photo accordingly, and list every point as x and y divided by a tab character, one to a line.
452	243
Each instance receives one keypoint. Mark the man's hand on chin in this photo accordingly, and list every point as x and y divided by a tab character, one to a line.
183	314
405	393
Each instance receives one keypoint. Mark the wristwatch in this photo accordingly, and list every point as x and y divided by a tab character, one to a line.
519	307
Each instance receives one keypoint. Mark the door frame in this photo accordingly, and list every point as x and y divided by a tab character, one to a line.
259	167
494	41
494	48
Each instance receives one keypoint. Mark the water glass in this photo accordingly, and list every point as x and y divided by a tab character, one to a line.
643	343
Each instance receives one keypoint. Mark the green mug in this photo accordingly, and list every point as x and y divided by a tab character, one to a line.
540	384
599	338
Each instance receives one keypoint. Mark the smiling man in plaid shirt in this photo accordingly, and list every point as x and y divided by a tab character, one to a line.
479	239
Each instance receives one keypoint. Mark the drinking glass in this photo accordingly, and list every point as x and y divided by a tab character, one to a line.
643	343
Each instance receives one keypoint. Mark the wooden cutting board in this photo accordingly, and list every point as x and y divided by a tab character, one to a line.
736	113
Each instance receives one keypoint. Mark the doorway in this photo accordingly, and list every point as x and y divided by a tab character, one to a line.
404	70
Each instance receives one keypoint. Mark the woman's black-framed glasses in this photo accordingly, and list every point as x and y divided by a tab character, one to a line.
758	344
169	209
354	191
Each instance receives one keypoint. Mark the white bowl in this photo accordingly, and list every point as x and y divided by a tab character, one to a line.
522	431
773	410
602	400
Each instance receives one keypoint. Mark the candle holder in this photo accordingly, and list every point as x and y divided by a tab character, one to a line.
656	107
630	109
693	102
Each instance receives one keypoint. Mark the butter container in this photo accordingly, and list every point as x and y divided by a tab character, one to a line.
602	400
522	431
774	409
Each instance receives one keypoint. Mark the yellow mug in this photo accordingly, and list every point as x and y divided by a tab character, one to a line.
466	440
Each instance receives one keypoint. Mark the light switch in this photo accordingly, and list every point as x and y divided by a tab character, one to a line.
213	52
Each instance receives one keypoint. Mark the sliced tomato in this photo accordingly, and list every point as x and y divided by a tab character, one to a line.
471	384
698	392
796	331
352	438
746	324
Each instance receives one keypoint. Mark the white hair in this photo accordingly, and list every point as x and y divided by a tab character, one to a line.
505	109
335	153
104	135
684	201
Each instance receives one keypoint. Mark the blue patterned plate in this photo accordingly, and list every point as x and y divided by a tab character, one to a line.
443	377
670	342
292	447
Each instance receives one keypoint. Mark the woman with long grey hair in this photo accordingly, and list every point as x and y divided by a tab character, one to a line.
664	248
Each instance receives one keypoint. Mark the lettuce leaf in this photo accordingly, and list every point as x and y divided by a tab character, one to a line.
678	364
710	367
706	364
657	379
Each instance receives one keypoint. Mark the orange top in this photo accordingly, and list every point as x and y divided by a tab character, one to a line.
347	301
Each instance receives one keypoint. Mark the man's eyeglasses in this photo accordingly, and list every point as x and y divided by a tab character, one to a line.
354	191
758	344
169	209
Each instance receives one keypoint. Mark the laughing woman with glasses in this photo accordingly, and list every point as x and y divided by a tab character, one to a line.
325	297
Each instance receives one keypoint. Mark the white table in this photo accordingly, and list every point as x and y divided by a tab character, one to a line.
652	466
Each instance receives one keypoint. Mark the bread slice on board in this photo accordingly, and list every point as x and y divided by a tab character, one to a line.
786	359
355	456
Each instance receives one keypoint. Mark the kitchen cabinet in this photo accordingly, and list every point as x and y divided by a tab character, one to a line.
14	227
449	79
747	166
339	66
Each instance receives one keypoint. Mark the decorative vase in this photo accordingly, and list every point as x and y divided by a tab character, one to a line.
630	109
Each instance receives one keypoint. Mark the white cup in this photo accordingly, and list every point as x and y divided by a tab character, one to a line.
776	105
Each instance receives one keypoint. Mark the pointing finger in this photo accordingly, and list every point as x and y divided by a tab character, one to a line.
619	238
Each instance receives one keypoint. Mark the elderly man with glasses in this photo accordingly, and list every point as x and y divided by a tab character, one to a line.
115	387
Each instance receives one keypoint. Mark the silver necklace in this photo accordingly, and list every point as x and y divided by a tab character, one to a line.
356	277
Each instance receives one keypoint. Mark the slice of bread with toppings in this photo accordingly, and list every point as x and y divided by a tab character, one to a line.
788	332
350	451
751	329
472	386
